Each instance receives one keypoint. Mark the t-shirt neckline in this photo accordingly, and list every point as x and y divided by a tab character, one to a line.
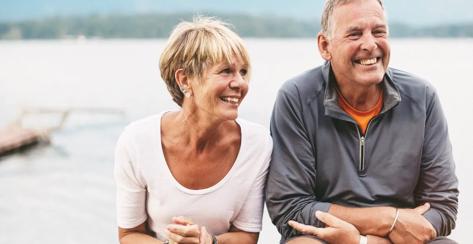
176	183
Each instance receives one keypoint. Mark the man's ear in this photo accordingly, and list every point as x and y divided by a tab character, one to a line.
323	44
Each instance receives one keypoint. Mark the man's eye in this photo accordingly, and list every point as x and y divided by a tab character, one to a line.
354	35
379	33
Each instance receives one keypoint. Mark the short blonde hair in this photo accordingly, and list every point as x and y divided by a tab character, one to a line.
329	6
196	46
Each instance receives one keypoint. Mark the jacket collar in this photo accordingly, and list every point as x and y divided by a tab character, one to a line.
392	96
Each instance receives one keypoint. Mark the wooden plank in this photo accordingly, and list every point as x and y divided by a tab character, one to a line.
15	137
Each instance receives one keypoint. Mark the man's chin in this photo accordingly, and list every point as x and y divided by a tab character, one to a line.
370	80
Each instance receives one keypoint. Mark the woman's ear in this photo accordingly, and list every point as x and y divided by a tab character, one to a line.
183	82
323	43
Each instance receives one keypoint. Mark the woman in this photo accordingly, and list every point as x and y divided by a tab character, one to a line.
195	175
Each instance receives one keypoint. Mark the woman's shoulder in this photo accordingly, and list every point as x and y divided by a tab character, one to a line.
256	135
144	123
256	147
252	129
141	129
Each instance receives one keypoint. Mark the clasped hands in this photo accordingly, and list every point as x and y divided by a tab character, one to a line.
183	230
410	227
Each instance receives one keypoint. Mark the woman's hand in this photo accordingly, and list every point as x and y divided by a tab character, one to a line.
337	230
183	230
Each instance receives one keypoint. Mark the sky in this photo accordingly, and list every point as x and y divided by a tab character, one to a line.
418	12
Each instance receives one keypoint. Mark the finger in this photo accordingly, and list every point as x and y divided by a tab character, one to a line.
422	208
204	235
331	220
304	229
184	230
181	239
182	220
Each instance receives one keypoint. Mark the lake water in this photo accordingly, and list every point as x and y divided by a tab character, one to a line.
64	192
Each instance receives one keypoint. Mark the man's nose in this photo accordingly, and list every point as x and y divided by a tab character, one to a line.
368	43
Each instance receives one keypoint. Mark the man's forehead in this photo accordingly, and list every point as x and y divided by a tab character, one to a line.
354	27
354	15
358	2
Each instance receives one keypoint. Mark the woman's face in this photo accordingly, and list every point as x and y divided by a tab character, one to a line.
221	90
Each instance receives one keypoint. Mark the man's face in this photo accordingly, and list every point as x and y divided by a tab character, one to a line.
358	47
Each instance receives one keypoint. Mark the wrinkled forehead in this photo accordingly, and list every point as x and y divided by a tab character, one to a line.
359	7
357	2
358	13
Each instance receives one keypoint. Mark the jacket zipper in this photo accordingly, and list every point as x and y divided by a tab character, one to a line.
361	163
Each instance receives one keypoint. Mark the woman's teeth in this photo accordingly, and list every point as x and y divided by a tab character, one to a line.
232	100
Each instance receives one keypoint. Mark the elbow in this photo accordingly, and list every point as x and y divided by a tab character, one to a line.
448	225
449	217
443	220
125	238
128	236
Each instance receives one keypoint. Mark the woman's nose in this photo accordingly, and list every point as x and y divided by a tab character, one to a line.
237	81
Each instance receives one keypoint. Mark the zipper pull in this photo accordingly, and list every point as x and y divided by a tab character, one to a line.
362	154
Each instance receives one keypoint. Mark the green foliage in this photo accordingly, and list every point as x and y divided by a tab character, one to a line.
159	25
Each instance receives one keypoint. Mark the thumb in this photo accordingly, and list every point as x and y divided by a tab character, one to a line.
329	219
205	237
181	220
422	208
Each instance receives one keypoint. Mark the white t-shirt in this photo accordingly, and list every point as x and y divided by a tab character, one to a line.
146	189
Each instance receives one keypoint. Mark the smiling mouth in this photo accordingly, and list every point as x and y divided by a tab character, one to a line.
231	100
368	61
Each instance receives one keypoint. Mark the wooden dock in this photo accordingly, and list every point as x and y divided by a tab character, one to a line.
17	136
14	137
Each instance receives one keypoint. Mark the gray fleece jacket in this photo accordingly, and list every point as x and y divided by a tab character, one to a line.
320	157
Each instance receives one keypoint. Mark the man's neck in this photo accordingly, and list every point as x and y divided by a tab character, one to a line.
362	98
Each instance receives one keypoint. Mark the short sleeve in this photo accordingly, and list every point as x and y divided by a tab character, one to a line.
131	192
250	216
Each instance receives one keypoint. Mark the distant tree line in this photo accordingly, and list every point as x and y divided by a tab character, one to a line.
160	25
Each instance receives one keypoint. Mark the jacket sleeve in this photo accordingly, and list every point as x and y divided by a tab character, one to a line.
291	179
438	183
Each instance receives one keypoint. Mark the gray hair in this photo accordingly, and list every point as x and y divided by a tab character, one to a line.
328	11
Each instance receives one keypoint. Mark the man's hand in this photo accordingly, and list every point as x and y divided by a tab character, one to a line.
337	230
412	227
378	240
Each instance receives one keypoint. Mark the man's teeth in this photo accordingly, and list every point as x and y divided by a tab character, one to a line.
231	100
368	61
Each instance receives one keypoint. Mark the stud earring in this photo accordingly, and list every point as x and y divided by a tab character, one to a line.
186	92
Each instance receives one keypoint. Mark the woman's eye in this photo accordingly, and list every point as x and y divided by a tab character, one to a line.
226	71
243	72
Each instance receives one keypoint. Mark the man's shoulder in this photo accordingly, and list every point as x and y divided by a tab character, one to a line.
305	83
410	85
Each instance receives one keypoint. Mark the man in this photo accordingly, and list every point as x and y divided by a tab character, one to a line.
363	145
